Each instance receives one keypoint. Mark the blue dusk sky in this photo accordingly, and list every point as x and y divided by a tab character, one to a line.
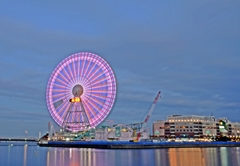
190	50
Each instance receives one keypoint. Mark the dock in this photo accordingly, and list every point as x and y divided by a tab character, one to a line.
135	145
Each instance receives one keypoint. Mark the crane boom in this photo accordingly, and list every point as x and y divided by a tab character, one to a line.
150	111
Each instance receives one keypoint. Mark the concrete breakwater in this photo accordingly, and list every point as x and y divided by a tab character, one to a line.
135	145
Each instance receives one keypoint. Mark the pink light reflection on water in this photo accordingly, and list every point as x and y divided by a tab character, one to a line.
19	154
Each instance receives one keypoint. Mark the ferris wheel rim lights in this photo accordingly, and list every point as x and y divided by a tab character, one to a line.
97	78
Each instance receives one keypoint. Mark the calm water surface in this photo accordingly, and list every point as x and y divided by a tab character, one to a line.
19	154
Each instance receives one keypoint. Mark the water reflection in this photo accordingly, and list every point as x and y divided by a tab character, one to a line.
172	157
25	155
191	156
33	155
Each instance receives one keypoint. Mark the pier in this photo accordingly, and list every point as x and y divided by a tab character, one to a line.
19	139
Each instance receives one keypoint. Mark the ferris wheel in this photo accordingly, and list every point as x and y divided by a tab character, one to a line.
81	91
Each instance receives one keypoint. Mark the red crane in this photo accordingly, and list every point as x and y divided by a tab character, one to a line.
150	111
141	126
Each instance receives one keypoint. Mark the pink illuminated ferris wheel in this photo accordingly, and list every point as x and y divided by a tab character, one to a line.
81	91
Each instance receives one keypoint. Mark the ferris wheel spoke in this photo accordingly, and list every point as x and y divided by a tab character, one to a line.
89	113
61	81
58	86
55	95
66	74
69	70
92	110
83	61
61	107
93	79
63	77
68	96
74	69
85	67
99	99
102	81
58	95
97	75
95	103
94	73
78	66
70	81
88	117
63	111
101	93
75	81
87	92
99	78
90	68
100	87
104	99
92	107
86	84
64	96
82	80
58	90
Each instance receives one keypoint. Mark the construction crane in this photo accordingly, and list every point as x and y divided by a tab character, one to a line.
150	111
139	127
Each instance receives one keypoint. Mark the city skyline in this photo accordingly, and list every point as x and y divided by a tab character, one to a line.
187	50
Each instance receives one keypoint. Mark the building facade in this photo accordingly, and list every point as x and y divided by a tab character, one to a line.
194	126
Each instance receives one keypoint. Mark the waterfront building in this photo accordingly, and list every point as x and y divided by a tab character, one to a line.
195	127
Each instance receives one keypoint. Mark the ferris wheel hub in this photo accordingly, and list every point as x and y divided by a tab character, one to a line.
77	90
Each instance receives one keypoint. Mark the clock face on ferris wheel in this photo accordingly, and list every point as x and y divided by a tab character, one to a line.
87	78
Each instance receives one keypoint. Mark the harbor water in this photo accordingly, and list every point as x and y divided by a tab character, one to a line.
28	154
